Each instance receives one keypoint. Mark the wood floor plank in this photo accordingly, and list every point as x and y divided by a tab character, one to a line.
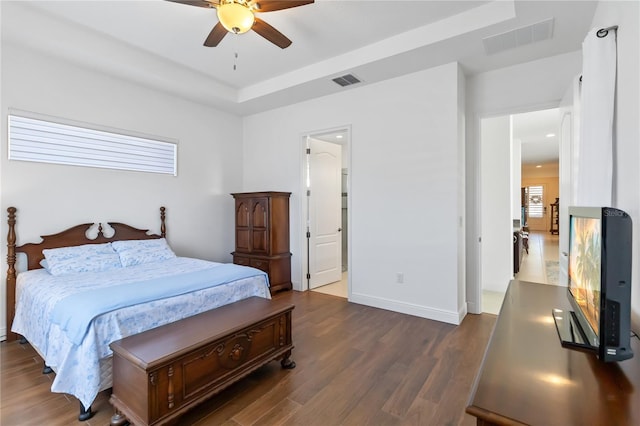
406	392
356	365
420	413
280	412
376	396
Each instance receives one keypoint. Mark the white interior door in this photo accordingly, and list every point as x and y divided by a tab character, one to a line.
325	240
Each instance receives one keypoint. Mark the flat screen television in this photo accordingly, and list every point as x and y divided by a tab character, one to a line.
599	287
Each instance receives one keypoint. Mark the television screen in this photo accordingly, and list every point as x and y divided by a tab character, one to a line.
584	267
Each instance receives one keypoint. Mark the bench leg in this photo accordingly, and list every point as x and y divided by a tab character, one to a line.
85	413
118	419
286	362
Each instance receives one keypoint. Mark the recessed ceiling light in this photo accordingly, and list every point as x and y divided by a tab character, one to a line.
550	135
538	166
338	136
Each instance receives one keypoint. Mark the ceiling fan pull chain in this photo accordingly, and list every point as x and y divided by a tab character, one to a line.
235	52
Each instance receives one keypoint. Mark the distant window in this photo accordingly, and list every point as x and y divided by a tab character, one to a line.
535	197
49	142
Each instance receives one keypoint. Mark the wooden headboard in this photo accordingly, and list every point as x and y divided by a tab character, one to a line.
74	236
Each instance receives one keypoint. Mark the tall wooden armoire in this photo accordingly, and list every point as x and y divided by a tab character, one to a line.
262	235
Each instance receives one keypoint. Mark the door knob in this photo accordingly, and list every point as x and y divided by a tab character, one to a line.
339	229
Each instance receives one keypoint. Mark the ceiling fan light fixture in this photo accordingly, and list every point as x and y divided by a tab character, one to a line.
235	17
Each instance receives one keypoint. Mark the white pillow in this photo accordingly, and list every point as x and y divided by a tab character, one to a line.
137	252
44	264
84	258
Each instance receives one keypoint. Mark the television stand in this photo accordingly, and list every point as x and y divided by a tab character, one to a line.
527	377
570	332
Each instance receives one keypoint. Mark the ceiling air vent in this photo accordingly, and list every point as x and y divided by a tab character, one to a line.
346	80
539	31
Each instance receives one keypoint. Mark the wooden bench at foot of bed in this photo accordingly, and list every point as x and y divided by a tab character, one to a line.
161	373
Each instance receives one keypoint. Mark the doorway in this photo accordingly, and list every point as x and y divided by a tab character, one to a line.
326	172
535	205
517	151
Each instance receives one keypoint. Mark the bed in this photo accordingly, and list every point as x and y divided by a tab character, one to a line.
73	299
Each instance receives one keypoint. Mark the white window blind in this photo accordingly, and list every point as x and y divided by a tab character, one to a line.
48	142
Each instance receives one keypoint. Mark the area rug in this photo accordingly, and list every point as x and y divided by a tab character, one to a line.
551	269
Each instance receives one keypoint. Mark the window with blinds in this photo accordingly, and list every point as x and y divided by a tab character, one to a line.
49	142
535	197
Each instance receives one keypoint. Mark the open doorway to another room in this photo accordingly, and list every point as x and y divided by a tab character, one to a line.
326	207
519	202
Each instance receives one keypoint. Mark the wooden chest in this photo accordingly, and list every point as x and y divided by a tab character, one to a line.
161	373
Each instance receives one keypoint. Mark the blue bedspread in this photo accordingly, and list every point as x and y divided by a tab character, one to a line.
84	369
89	304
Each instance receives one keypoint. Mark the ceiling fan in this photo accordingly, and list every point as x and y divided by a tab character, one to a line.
238	16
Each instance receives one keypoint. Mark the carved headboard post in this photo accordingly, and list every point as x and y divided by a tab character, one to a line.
163	227
11	272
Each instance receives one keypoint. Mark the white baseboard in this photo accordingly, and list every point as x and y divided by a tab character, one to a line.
3	334
450	317
462	313
472	308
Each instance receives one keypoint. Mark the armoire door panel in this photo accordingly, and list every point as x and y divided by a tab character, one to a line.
259	241
259	213
243	240
242	214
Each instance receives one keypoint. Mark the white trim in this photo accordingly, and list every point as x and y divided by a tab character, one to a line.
450	317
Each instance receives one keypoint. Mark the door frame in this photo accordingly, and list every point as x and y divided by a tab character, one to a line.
474	278
304	206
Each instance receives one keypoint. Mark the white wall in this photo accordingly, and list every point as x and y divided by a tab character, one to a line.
521	88
462	191
516	179
626	174
404	178
51	198
495	210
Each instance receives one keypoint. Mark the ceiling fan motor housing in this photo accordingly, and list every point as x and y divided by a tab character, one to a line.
235	17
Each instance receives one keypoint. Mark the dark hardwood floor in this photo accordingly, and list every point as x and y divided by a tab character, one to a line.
356	365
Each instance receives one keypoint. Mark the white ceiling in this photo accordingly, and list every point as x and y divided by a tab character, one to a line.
159	43
538	132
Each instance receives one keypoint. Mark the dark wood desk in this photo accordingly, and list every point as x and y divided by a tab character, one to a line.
527	377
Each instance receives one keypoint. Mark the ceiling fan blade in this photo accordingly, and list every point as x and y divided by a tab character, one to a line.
271	5
215	36
199	3
270	33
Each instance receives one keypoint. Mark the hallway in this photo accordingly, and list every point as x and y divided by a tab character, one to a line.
539	265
